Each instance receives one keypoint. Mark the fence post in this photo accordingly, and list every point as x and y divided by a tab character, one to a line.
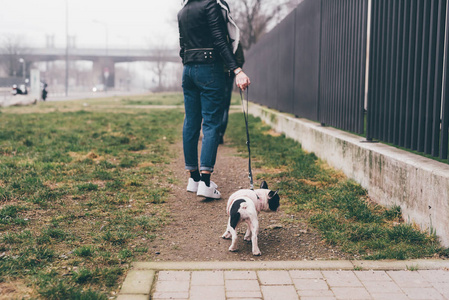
444	95
369	70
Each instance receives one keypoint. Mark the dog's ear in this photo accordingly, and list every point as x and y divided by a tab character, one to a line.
271	194
273	200
264	185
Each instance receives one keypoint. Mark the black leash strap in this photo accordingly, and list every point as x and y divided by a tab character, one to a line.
245	115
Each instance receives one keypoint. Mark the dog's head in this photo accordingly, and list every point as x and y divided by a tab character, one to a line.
273	197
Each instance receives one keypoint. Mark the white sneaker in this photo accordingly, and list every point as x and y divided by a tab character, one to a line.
208	191
192	185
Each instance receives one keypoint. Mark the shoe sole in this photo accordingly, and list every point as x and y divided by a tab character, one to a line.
196	190
207	196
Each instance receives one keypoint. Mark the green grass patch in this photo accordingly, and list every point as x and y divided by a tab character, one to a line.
339	208
155	99
81	191
83	186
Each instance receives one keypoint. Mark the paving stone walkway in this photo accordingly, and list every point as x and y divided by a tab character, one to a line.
288	280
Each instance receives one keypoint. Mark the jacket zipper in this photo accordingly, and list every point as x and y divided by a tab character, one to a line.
202	49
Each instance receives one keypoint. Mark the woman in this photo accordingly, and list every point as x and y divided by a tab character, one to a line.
203	37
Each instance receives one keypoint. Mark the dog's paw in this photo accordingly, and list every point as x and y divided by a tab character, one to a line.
227	235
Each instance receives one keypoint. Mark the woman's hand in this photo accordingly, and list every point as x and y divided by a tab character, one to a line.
241	79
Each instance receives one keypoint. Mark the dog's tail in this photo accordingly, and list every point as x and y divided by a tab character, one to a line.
243	205
243	211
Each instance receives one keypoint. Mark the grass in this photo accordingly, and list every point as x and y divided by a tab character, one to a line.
161	99
109	103
339	208
81	193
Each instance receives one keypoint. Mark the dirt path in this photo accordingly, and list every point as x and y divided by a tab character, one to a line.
195	233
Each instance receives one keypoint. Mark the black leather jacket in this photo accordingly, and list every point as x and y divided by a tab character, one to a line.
203	34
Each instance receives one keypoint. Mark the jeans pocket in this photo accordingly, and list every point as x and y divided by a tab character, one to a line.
205	74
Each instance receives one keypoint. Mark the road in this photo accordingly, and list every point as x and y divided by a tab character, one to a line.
6	99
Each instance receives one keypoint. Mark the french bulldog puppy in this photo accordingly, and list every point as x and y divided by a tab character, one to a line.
244	206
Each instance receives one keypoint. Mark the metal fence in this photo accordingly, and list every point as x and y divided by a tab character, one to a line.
406	75
343	61
313	65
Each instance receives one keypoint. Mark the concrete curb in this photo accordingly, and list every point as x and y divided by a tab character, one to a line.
418	264
140	279
137	285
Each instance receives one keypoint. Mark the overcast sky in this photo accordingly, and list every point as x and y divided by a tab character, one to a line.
128	22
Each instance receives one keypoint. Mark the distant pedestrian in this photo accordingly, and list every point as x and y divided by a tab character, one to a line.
44	92
208	38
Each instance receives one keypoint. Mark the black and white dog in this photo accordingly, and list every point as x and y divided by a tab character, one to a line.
244	206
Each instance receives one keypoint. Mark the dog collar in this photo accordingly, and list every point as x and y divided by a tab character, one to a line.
256	195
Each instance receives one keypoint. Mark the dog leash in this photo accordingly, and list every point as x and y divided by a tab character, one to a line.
245	115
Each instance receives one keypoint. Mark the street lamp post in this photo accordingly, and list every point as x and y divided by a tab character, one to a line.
67	48
22	61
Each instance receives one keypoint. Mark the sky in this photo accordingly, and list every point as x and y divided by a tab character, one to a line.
119	23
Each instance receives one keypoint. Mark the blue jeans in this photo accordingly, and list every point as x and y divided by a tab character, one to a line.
203	86
229	85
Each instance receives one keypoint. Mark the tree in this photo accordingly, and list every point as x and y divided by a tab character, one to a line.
159	65
12	48
159	50
256	17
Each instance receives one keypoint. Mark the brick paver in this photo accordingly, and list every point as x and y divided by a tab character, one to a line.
240	275
274	277
381	287
242	285
409	279
297	274
384	296
422	293
207	278
310	284
169	295
301	284
202	292
346	293
316	293
279	292
174	276
265	284
372	276
342	279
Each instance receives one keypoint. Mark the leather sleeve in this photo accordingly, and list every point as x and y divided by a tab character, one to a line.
240	56
181	43
217	26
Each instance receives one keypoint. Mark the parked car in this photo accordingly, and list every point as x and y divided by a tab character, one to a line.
98	88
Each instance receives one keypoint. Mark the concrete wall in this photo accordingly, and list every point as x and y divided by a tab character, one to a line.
420	186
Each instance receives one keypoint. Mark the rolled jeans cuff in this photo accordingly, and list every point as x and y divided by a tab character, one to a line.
210	169
191	168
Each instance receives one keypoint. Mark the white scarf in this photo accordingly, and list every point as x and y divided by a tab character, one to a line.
233	29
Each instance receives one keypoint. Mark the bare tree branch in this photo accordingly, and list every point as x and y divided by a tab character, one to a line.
13	48
158	48
256	17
